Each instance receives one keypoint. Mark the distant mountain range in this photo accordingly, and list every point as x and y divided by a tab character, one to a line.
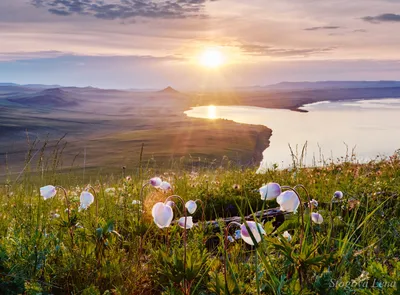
54	97
332	85
36	86
282	86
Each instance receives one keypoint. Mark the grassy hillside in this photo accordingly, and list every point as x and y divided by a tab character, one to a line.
106	128
114	247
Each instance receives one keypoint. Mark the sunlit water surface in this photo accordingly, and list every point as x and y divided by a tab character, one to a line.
331	129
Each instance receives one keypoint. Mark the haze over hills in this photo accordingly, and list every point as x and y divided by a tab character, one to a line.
53	97
332	85
110	125
286	85
39	86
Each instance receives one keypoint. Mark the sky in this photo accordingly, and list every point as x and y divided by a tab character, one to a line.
152	44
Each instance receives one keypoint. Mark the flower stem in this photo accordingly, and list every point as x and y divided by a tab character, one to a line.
184	240
96	202
301	213
203	215
257	279
71	233
311	207
226	252
141	194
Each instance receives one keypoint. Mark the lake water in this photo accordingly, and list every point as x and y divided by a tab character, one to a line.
370	127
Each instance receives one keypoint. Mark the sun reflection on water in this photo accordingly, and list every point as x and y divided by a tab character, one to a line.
212	112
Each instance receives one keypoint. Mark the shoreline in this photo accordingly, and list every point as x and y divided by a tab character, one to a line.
112	129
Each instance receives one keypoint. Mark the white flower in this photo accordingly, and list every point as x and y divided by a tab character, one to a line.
255	229
48	191
136	202
86	200
189	222
155	181
287	236
288	201
317	218
191	206
270	191
338	195
162	215
165	186
313	203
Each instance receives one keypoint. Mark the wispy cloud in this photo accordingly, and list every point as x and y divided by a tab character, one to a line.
43	55
263	50
125	9
322	28
25	55
386	17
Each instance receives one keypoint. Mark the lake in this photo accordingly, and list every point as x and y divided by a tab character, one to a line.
331	129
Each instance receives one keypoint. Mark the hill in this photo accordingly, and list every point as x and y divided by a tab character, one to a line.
169	90
332	85
54	97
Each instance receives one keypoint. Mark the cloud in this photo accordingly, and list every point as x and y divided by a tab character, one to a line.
261	50
125	9
322	28
36	56
24	55
386	17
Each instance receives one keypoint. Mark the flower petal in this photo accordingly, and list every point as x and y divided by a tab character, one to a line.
317	218
155	181
165	186
156	209
191	206
86	199
189	222
162	215
288	201
255	229
48	191
338	195
270	191
287	236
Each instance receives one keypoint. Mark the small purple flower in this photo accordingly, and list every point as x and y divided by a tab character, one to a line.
317	218
338	195
165	186
155	181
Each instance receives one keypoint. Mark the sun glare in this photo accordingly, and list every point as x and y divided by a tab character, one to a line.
212	112
211	58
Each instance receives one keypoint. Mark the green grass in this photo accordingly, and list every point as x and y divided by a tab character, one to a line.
119	250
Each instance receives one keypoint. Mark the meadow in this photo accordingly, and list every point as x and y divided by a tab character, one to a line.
112	239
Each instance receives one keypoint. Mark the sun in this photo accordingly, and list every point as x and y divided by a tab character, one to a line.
211	58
